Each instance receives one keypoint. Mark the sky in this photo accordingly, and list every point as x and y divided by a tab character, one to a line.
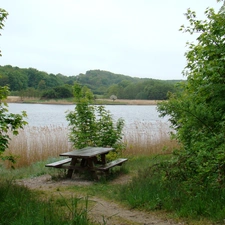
138	38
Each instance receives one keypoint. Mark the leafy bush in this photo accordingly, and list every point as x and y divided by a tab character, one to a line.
197	113
192	182
58	92
93	125
8	121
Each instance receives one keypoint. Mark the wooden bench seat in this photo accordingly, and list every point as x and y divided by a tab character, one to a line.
107	166
59	164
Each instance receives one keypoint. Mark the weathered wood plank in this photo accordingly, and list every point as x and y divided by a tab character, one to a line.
117	162
59	164
87	152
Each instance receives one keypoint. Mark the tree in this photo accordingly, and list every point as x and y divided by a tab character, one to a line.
8	121
113	97
58	92
64	91
34	77
17	80
113	90
41	85
3	16
197	111
53	80
92	125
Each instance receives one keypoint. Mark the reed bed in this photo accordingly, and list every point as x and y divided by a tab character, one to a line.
34	144
143	138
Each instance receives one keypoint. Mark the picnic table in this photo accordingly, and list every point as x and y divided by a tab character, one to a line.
92	159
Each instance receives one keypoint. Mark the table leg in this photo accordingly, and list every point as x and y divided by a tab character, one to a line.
83	163
90	163
103	159
70	171
91	167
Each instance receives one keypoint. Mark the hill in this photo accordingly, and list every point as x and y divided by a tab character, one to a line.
31	82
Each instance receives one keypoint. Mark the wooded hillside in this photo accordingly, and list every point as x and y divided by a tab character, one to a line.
31	82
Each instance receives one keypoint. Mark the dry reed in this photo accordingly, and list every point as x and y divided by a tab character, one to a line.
148	138
35	144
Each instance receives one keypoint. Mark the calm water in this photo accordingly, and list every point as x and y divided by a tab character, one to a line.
47	114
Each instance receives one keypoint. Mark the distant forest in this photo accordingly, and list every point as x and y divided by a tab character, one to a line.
30	82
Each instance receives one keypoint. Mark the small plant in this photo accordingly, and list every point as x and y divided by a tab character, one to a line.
93	125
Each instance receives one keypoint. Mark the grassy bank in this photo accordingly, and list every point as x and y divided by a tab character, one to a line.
195	205
36	146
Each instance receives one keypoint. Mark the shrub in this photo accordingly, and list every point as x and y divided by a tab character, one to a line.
93	125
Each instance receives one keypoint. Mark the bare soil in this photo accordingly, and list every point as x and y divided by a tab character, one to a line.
101	210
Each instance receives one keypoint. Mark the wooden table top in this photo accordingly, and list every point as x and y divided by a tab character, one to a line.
87	152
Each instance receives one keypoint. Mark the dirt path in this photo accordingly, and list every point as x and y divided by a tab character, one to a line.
101	210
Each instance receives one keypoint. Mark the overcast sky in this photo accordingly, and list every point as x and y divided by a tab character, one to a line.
138	38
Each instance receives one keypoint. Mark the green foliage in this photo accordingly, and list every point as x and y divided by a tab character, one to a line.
100	82
92	125
197	111
148	89
29	92
19	205
58	92
148	191
3	16
8	121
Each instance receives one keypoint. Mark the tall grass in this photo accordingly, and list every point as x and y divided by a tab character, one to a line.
19	205
35	144
198	205
148	138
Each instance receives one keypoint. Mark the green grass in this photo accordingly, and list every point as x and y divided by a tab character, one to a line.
150	191
146	192
131	168
34	170
19	205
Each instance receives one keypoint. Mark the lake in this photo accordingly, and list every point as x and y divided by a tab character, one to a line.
48	114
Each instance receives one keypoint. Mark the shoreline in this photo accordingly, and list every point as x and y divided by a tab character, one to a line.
17	99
